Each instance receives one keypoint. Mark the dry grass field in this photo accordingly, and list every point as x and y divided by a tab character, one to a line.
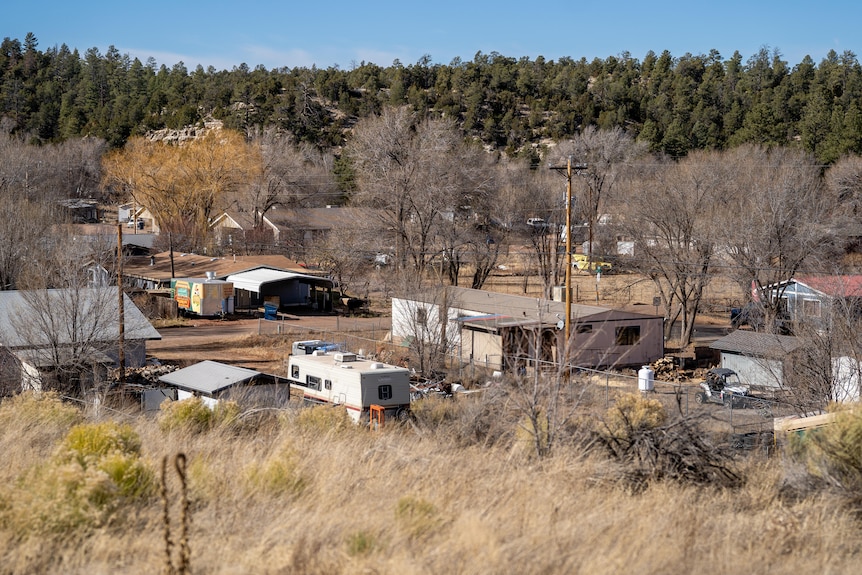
304	491
458	490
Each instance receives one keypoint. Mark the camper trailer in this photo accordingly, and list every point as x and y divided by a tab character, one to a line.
342	378
203	296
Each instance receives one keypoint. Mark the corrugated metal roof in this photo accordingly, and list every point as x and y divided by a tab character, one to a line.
254	279
834	286
158	267
517	306
208	377
756	344
64	316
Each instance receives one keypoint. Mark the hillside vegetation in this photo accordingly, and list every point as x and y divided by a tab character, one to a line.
305	491
673	103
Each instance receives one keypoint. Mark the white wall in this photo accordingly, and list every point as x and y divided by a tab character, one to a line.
754	371
846	375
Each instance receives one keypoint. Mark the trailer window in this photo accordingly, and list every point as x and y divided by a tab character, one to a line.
384	392
628	335
312	382
294	372
327	384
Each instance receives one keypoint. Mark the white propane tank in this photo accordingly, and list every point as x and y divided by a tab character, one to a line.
645	378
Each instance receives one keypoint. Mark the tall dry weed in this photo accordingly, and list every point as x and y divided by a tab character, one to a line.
417	499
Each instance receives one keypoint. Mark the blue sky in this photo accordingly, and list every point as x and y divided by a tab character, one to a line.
290	33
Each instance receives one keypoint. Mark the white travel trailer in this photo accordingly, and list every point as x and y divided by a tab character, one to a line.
342	378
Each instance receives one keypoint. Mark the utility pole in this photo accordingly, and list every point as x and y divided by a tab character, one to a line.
121	340
577	168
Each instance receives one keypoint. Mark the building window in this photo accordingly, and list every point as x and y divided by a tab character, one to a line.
421	316
384	392
585	328
811	308
294	372
628	335
327	384
312	382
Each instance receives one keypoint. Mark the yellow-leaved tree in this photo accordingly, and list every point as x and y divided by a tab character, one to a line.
184	185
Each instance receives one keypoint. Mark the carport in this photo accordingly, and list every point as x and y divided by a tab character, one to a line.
286	289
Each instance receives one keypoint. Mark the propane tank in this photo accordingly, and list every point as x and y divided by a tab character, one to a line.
645	378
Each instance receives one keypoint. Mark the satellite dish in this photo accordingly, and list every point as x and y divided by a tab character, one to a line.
561	324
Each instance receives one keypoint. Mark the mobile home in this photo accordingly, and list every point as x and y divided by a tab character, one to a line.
342	378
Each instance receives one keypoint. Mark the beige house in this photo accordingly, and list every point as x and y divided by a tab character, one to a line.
290	226
511	332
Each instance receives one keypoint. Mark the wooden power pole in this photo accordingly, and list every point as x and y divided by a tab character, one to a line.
121	347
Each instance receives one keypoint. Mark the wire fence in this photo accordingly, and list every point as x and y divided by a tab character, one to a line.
745	421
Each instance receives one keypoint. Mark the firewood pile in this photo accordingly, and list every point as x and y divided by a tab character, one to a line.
146	375
664	368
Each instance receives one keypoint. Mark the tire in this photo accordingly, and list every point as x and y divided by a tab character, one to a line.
402	415
700	398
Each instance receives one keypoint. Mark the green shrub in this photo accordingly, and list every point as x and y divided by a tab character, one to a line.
96	470
325	419
833	453
194	415
279	474
360	543
631	413
30	409
418	516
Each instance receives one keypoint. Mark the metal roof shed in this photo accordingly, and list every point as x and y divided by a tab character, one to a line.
289	288
760	359
208	377
213	381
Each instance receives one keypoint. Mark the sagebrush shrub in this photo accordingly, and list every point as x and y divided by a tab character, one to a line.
633	412
30	409
194	415
96	469
325	419
834	452
279	474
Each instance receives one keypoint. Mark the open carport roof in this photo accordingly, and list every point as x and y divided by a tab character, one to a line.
253	280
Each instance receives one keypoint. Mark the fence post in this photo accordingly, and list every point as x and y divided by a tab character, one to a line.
607	391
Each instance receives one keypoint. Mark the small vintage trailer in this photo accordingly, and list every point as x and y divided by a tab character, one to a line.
203	296
342	378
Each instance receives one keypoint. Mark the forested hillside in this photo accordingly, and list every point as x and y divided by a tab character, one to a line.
673	103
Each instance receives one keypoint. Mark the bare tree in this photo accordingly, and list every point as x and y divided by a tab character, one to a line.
533	202
605	156
844	186
61	323
774	222
292	175
671	215
415	173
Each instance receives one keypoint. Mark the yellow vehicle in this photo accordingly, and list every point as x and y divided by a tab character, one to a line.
582	263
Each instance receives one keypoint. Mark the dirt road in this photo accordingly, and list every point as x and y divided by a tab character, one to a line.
232	341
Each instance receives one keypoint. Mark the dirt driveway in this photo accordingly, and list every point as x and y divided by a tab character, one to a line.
236	341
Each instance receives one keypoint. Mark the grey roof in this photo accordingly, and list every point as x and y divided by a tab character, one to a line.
252	280
208	377
518	306
65	316
756	344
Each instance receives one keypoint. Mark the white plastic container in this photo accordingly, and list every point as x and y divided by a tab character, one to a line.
646	378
